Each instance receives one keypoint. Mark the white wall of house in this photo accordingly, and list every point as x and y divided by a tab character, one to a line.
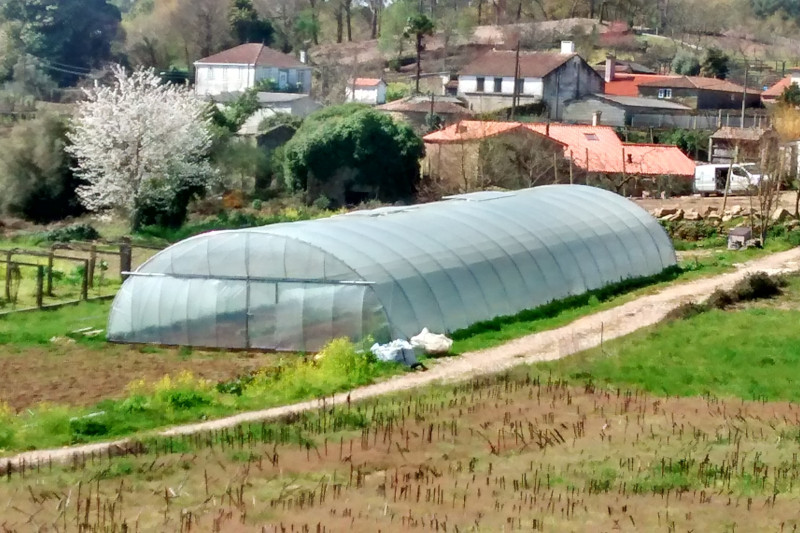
375	95
533	87
218	79
211	79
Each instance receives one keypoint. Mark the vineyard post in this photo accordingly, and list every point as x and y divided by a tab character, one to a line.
39	285
85	283
124	257
50	259
92	264
8	274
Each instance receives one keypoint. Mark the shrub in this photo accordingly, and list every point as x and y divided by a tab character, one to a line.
6	425
720	299
756	286
685	311
73	232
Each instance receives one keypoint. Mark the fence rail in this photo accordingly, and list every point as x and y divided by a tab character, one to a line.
36	278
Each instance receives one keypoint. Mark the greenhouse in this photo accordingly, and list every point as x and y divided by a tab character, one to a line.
388	272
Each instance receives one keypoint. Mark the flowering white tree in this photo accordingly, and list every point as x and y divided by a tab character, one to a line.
137	139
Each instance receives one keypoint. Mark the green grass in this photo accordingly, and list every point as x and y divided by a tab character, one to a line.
36	328
753	354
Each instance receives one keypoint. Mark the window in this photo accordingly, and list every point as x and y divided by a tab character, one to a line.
665	93
498	85
210	73
479	85
520	86
591	136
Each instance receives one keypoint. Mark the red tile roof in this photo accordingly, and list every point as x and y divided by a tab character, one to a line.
503	62
470	130
698	82
628	84
254	54
776	90
592	148
657	160
367	82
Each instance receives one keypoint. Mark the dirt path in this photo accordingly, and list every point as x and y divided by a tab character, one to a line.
577	336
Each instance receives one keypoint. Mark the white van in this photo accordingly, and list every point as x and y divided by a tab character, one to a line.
710	179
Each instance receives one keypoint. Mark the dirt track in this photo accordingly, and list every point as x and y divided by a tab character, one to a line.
580	335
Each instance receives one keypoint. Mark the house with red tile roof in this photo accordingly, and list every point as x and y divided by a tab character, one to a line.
490	82
590	150
243	67
370	91
771	95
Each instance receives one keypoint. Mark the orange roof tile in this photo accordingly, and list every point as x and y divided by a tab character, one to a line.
776	90
367	82
591	148
628	84
470	130
657	160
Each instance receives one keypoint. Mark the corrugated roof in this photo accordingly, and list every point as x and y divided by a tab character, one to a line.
699	82
657	160
638	101
253	54
503	62
739	134
628	84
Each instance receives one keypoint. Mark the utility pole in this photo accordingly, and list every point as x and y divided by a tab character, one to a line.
744	93
515	92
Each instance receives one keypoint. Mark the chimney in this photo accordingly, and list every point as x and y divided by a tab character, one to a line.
567	47
611	68
630	159
596	118
302	56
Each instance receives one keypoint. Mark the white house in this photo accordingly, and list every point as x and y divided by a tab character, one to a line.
242	67
554	78
366	91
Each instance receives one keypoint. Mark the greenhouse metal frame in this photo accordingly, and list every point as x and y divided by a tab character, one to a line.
388	272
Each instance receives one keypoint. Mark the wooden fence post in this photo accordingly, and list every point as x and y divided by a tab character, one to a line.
8	274
92	264
50	272
39	285
125	257
85	283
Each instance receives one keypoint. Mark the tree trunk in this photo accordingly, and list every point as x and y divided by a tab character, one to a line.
591	9
419	60
347	5
480	11
339	23
314	18
373	33
519	12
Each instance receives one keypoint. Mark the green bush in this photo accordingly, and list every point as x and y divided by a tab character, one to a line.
73	232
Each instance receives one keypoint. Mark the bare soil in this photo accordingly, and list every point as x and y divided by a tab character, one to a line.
81	376
700	204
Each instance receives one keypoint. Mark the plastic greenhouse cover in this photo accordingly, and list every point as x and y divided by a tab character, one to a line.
388	272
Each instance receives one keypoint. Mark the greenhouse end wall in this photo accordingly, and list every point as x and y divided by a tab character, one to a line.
388	272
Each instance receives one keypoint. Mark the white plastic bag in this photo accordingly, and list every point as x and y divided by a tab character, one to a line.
432	343
397	351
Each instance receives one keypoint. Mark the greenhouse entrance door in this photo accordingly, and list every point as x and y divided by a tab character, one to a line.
304	316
